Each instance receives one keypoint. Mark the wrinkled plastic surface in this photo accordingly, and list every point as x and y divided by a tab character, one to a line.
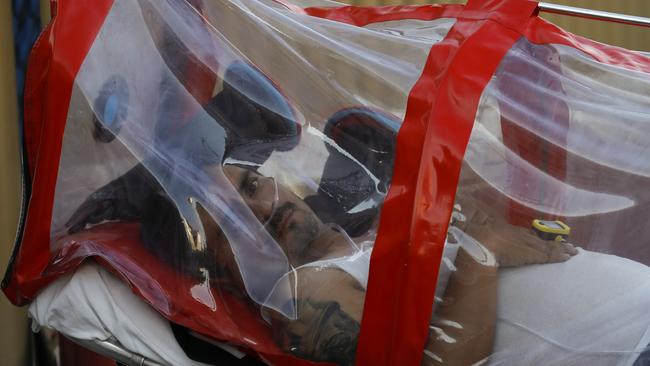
558	136
245	164
230	161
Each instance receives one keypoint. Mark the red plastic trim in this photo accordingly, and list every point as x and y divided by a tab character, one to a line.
34	95
430	148
57	75
361	16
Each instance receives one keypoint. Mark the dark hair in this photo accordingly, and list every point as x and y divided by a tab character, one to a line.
163	233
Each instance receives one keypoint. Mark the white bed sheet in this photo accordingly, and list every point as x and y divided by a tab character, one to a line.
590	310
93	304
593	309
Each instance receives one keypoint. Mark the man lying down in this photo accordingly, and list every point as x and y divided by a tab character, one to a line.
590	309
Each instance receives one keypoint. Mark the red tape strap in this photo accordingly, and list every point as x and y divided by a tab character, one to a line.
430	148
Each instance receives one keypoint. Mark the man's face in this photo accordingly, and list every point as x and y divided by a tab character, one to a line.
289	221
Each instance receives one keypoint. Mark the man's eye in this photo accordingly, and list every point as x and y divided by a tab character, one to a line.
251	187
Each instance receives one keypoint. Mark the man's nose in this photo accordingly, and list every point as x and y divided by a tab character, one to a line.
262	209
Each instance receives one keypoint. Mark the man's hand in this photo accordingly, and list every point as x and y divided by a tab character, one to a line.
517	246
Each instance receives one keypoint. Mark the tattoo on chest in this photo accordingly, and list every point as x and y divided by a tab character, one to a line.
324	332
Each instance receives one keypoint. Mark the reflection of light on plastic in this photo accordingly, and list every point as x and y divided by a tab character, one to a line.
333	144
432	355
110	110
375	200
441	335
494	163
608	108
203	293
415	30
450	323
300	169
230	160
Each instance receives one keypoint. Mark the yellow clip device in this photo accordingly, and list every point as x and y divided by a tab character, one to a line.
551	230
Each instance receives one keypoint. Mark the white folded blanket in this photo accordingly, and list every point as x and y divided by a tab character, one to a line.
93	304
591	310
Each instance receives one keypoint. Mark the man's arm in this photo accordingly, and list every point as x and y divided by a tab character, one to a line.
330	306
330	302
511	245
463	324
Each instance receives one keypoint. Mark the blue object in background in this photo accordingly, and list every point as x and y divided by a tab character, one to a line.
27	26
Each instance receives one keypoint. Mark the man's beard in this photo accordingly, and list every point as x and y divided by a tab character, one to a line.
296	239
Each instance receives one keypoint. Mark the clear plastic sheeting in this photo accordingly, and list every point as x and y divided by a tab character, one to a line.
243	179
561	135
238	163
557	155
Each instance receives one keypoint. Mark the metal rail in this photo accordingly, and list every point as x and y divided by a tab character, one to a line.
594	14
114	351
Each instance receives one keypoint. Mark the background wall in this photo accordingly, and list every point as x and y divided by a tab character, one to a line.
13	321
636	38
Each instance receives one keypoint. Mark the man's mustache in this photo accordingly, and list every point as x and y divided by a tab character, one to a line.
273	225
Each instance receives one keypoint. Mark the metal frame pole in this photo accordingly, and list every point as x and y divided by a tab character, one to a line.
112	349
594	14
